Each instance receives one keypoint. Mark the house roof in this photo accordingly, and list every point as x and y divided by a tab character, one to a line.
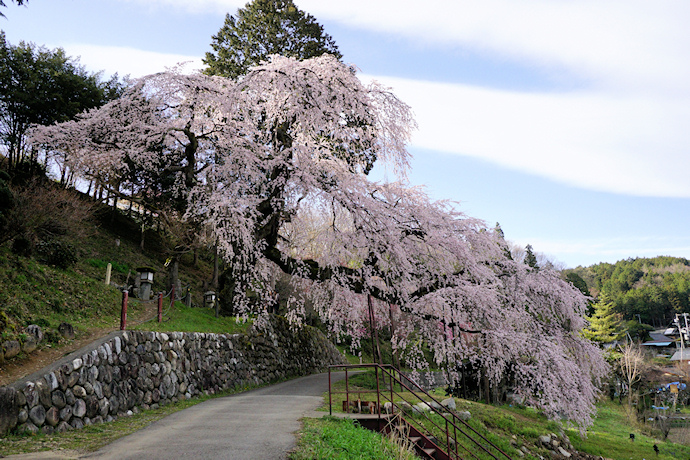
681	355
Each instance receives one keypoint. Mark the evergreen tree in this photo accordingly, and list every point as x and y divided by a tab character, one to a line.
530	257
604	324
262	28
42	86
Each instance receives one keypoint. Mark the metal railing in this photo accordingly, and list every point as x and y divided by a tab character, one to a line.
460	437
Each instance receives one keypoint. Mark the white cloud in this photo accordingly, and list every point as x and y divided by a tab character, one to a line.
634	145
634	43
135	62
625	133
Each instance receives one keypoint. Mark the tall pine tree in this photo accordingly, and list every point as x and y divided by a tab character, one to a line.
530	258
604	324
262	28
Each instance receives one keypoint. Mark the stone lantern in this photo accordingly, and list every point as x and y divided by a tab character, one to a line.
210	301
145	282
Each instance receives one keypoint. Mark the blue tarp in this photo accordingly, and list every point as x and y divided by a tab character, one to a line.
681	386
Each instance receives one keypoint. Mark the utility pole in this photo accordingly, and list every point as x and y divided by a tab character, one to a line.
683	331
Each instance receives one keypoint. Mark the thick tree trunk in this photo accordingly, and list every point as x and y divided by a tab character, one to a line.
173	275
143	231
216	268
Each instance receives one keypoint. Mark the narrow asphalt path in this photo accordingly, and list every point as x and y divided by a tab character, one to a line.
258	424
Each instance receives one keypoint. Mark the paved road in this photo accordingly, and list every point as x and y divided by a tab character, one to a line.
258	424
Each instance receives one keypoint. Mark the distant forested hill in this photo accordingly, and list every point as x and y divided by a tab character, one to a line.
655	289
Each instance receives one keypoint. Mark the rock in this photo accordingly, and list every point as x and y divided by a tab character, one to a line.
92	375
66	413
28	428
9	409
103	407
92	408
30	394
387	406
79	408
422	407
545	440
23	416
53	416
43	390
11	348
114	405
78	391
520	453
30	344
449	403
58	399
37	415
464	415
35	331
88	388
63	426
66	330
52	381
435	405
20	398
564	452
98	389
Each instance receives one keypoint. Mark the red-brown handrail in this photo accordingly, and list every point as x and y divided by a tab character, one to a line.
454	422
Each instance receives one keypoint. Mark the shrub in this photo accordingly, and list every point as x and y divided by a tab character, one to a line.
52	336
44	211
57	253
22	246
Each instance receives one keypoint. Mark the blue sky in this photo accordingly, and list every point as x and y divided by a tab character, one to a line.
568	122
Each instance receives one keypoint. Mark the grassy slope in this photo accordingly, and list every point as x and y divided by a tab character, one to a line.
33	292
513	427
333	438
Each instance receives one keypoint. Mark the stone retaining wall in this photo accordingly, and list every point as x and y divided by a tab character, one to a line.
127	371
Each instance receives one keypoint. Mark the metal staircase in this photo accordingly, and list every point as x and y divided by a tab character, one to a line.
437	433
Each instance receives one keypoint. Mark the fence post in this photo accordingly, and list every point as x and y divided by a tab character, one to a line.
123	313
160	307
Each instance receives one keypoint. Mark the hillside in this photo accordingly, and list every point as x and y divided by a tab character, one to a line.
651	290
35	289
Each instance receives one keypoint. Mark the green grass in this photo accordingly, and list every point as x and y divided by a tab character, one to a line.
103	264
333	438
31	291
610	437
181	318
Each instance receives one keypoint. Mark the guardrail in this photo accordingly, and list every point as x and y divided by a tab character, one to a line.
402	415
